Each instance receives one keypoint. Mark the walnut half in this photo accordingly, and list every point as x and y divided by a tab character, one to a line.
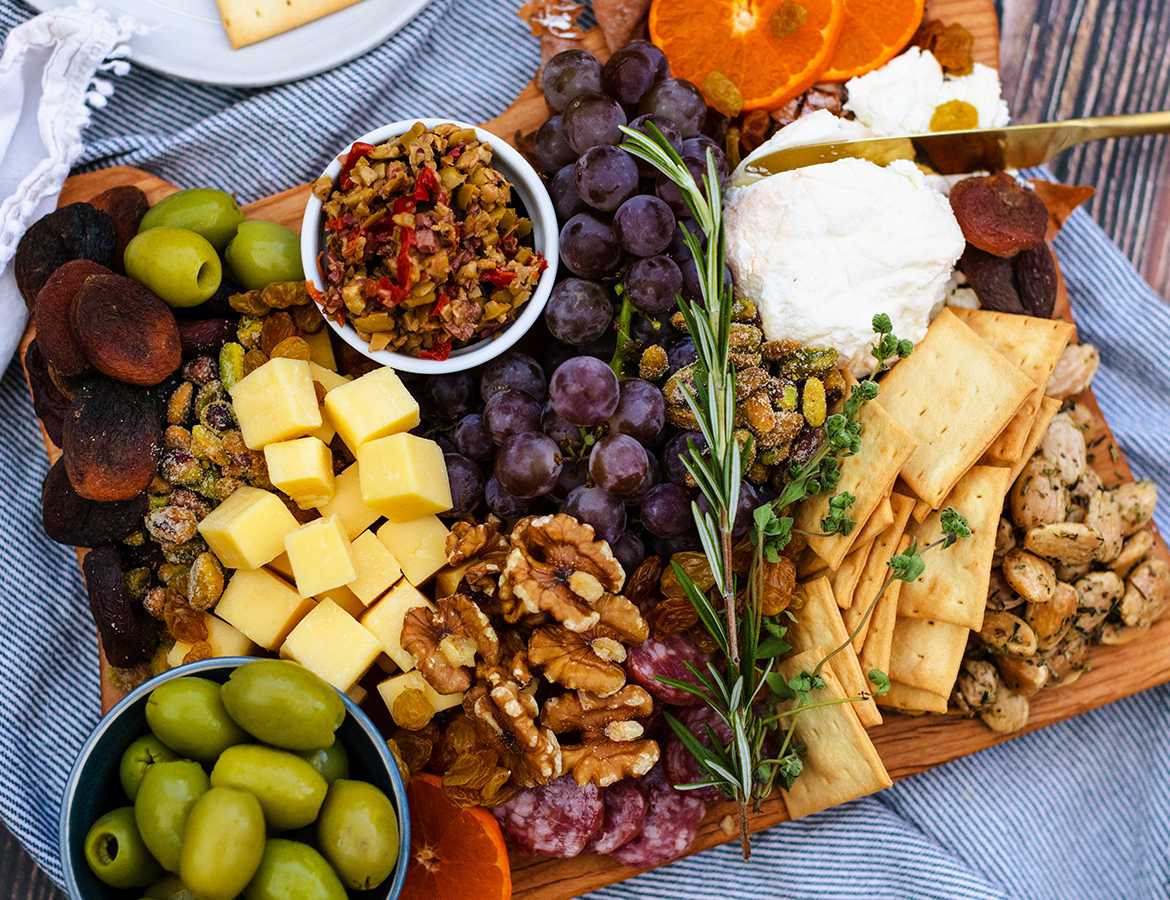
505	717
557	566
610	747
590	660
445	642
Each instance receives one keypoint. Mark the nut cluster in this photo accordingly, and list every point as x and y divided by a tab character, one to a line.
542	600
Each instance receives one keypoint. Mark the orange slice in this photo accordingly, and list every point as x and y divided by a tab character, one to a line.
454	853
875	32
735	38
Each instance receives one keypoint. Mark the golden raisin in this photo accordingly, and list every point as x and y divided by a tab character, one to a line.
695	565
673	615
412	710
416	747
953	50
199	650
722	94
403	769
308	318
954	115
703	640
756	126
292	348
184	622
787	19
253	360
277	327
778	580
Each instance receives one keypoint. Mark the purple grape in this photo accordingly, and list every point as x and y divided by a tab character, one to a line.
588	246
653	329
653	284
584	391
549	147
528	464
605	177
603	348
599	508
641	410
644	225
508	413
565	434
691	286
563	191
466	482
446	444
655	55
578	311
678	249
697	147
672	454
592	119
472	440
449	396
618	463
669	131
677	100
568	75
748	501
502	503
513	371
628	74
653	476
629	550
574	474
668	191
666	511
679	354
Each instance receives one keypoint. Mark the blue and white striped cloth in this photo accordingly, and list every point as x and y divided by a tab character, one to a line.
1078	810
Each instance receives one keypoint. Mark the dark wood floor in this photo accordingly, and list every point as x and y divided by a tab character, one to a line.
1059	59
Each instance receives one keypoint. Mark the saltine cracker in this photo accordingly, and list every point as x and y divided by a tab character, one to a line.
249	21
926	654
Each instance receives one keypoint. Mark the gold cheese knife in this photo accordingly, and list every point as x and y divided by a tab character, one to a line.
956	152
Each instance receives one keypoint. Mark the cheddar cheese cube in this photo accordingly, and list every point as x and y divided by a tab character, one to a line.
370	407
276	402
420	546
224	640
347	502
303	469
447	579
262	606
247	530
320	556
329	643
403	477
346	599
327	376
384	621
282	567
377	568
392	688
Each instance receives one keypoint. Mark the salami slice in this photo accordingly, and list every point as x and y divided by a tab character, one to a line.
681	767
669	828
666	658
556	819
625	808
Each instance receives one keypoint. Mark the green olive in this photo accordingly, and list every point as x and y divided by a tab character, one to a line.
165	797
188	715
357	832
222	844
290	790
283	704
140	756
264	252
169	887
178	265
332	762
209	212
116	853
293	871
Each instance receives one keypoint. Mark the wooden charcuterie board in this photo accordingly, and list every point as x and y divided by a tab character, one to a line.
907	745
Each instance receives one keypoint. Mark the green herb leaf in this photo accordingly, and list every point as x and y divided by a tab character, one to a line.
880	680
954	526
907	566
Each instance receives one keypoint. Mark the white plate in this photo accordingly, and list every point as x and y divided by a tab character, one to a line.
188	39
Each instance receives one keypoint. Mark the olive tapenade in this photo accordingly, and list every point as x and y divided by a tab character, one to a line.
424	249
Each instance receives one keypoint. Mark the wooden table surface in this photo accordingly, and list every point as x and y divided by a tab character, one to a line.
1059	59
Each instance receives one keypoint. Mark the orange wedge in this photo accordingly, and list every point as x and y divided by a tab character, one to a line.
738	39
875	31
454	853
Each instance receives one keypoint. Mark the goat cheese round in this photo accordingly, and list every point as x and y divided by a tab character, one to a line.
823	249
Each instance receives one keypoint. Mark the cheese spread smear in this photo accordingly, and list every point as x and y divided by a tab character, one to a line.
823	249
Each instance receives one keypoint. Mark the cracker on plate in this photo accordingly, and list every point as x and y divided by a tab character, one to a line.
875	652
249	21
904	698
878	521
840	761
818	623
955	394
953	586
926	654
1034	345
875	571
885	447
844	580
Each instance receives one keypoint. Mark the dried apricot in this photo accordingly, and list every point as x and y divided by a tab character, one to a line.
126	331
111	440
76	231
999	215
992	279
69	518
51	313
125	205
1035	274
